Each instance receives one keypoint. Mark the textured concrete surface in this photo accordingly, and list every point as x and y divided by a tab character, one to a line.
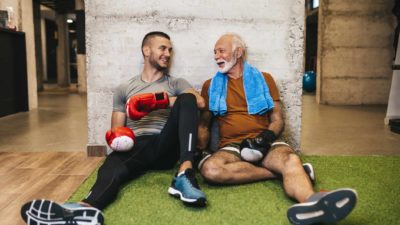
272	29
81	67
355	49
59	124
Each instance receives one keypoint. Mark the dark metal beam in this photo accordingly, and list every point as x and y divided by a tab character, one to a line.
60	6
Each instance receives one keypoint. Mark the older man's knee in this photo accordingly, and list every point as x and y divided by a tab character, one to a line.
292	160
282	158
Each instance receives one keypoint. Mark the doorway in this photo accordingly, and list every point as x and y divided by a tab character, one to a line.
51	51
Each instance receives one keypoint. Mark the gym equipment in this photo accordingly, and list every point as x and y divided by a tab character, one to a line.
120	139
309	81
140	105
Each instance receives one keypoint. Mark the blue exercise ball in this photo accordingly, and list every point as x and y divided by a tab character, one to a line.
309	81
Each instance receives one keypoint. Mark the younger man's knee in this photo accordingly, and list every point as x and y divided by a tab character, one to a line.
186	97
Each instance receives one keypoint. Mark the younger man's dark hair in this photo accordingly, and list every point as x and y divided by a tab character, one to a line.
152	34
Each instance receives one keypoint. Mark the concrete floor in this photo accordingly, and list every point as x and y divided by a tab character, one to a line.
60	124
346	130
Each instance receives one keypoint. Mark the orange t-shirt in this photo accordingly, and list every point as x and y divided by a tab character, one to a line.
237	124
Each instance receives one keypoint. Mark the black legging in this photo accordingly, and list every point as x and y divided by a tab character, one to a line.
176	141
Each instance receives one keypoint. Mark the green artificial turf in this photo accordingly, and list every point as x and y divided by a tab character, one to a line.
146	201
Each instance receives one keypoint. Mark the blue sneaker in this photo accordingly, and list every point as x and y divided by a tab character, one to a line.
186	188
323	207
46	212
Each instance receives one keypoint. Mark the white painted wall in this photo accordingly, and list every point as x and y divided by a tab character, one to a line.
273	30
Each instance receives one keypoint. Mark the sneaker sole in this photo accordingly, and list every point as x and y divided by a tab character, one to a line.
45	212
329	209
201	202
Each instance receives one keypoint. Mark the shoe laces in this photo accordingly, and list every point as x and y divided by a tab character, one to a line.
189	173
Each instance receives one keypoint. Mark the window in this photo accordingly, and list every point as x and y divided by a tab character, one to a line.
315	4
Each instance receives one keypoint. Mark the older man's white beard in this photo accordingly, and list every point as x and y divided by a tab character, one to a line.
227	65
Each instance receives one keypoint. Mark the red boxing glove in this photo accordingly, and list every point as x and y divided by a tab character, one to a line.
120	139
140	105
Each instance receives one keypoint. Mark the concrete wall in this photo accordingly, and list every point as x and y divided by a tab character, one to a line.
24	20
273	30
46	14
355	50
80	58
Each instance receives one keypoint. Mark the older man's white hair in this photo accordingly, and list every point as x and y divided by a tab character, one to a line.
237	41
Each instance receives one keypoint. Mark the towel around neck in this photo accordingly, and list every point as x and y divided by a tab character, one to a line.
258	98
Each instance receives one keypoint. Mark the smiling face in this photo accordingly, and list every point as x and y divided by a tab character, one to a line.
158	52
224	54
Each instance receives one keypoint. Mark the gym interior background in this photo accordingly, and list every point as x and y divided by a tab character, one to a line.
349	46
61	58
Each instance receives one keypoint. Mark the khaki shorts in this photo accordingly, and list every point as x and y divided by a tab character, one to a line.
234	148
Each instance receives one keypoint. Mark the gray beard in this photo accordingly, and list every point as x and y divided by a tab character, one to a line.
228	65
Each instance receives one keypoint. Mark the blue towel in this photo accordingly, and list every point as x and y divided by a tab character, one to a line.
256	90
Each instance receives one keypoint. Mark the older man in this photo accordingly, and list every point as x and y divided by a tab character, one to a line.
246	106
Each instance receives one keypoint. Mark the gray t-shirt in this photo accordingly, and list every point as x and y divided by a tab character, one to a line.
154	122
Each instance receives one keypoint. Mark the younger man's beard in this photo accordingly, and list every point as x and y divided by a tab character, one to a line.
156	65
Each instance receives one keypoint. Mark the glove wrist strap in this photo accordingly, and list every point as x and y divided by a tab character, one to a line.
268	135
162	100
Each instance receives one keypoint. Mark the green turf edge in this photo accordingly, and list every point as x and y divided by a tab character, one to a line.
145	200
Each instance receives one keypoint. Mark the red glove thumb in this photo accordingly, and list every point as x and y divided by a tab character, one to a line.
120	139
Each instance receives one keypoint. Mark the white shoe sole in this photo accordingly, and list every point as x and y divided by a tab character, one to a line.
331	208
45	212
176	193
